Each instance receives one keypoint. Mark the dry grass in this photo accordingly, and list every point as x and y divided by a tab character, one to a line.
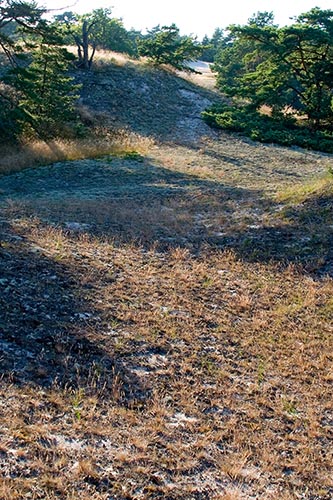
101	142
206	78
141	369
169	376
103	57
107	56
166	326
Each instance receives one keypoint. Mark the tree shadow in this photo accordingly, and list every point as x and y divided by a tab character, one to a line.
135	201
48	326
301	234
127	200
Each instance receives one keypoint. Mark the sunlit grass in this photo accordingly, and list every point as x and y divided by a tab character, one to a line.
310	189
99	143
145	353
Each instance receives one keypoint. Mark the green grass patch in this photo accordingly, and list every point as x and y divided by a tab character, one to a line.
314	189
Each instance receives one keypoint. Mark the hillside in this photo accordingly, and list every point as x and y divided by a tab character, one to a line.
148	101
166	315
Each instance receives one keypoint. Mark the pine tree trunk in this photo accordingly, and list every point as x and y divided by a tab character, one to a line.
85	45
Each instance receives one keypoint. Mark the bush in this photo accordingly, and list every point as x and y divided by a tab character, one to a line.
9	115
47	94
279	129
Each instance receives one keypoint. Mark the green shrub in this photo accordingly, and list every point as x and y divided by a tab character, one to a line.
277	129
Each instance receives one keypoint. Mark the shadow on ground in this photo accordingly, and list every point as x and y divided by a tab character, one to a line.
127	201
49	329
136	201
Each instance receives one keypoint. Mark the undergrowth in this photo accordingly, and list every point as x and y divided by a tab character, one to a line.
282	130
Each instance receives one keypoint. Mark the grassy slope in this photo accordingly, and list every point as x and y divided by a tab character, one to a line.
166	319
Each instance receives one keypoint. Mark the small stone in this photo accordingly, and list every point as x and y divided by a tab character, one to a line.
77	226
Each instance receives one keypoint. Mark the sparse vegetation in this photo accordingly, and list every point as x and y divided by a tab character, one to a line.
165	304
101	142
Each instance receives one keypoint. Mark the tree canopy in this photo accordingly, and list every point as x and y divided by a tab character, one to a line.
289	67
165	45
37	95
287	70
97	29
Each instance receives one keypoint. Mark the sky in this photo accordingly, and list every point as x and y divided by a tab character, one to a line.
191	16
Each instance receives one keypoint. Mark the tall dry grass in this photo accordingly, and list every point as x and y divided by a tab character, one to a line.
105	56
99	143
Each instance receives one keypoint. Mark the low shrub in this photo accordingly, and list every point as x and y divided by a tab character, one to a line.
278	129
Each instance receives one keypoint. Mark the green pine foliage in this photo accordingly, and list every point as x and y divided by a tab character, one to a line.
16	18
212	45
37	95
109	33
47	93
96	30
278	129
9	114
165	45
288	70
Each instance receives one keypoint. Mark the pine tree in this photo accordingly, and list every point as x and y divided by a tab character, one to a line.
164	45
283	68
47	93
